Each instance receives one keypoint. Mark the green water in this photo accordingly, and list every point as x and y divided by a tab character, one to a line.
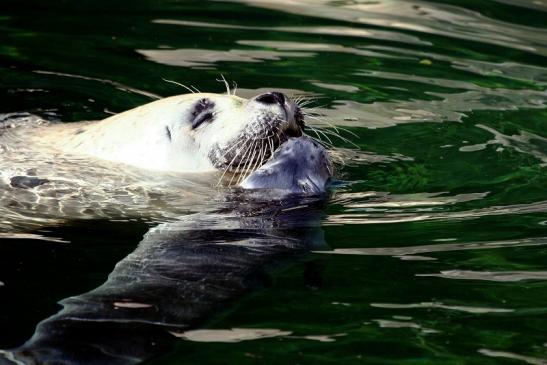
438	224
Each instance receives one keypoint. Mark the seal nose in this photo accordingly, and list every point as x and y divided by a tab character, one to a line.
271	98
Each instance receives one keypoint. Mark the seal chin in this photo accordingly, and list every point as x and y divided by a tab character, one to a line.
299	166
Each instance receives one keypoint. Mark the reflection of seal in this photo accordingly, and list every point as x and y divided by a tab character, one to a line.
190	133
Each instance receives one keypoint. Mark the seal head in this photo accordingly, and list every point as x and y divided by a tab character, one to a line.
299	166
186	133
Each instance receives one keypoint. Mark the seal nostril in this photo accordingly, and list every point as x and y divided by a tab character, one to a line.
271	98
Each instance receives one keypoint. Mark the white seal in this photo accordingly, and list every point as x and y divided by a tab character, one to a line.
159	159
185	133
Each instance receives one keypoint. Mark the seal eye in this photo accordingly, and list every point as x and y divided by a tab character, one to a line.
200	119
203	112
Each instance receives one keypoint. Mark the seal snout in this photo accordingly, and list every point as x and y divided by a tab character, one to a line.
273	120
290	111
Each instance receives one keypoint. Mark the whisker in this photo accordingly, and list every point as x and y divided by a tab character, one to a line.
330	124
325	135
247	161
272	147
326	131
321	142
223	79
234	87
322	120
243	173
259	159
312	97
320	106
236	144
337	158
226	170
262	154
314	131
232	161
179	84
303	103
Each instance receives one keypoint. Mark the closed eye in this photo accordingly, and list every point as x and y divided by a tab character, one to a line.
202	118
203	112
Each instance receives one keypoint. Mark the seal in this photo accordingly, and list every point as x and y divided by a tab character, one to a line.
185	133
143	162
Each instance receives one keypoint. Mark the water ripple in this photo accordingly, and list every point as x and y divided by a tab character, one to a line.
321	30
500	276
451	107
439	305
229	335
387	323
392	217
438	247
513	356
417	16
192	57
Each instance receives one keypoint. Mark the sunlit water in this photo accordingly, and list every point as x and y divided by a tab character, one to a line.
435	236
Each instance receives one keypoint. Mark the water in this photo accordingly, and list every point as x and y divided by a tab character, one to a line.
436	232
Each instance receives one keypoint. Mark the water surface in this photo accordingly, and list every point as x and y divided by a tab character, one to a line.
437	228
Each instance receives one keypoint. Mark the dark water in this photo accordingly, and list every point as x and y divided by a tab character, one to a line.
437	230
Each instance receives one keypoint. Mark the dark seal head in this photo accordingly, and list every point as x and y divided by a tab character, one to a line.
299	166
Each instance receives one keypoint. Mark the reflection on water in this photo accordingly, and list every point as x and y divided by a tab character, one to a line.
434	305
510	355
231	335
383	323
324	30
504	276
400	252
204	57
437	223
439	19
